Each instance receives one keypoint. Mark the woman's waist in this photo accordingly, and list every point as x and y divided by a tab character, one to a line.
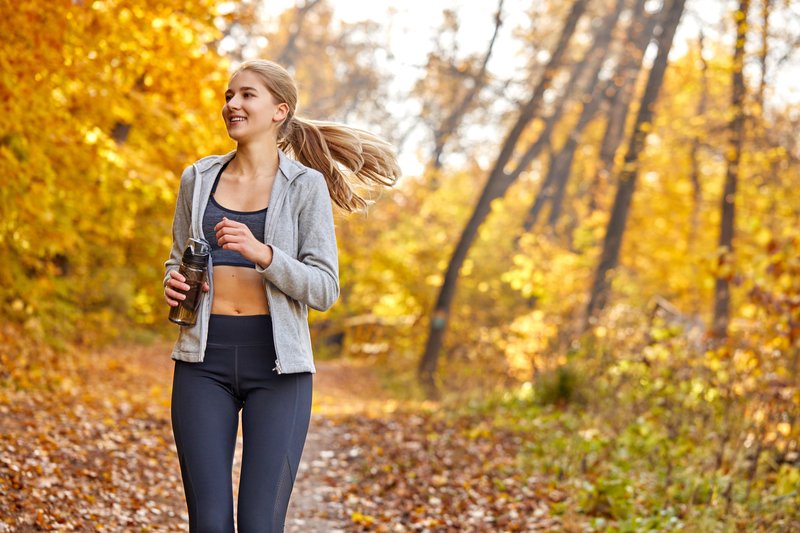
238	291
237	282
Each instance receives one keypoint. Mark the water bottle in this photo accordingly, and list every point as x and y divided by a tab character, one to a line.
194	267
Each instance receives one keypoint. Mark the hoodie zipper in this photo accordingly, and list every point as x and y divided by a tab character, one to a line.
268	236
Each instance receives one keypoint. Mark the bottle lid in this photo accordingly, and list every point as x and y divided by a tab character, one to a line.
196	252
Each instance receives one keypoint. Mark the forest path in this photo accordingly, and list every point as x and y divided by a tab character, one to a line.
95	452
99	454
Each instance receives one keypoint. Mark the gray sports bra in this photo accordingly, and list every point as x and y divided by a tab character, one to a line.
213	215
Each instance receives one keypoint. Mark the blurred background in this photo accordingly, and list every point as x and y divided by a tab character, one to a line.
598	212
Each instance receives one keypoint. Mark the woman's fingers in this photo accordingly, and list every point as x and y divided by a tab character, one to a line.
178	285
173	288
231	232
172	296
227	235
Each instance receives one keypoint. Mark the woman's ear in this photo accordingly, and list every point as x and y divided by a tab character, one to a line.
281	112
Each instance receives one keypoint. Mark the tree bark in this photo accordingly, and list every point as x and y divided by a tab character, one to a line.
596	56
623	91
496	185
722	297
630	170
766	8
562	165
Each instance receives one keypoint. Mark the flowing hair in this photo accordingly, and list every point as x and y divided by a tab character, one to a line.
343	154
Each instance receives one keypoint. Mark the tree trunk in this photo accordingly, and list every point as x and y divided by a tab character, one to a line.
766	8
497	183
562	166
624	88
630	170
722	297
596	57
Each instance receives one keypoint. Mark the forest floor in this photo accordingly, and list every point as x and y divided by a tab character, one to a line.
97	454
101	456
86	444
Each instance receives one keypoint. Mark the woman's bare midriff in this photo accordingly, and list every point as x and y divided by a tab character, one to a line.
238	291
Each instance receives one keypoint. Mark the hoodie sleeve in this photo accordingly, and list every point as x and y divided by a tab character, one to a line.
181	222
312	278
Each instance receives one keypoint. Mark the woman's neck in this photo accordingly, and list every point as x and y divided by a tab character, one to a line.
254	162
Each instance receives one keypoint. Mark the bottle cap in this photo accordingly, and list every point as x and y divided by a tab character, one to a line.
196	252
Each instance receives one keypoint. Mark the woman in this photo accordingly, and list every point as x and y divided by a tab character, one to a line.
269	221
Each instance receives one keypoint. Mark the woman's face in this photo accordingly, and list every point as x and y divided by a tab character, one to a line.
250	110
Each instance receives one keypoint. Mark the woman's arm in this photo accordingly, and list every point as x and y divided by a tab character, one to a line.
312	278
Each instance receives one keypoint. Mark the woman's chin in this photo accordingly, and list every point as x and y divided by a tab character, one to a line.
235	135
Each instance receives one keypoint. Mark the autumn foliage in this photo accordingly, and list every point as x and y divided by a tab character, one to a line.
640	417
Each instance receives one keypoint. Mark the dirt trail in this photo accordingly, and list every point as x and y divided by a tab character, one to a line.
98	453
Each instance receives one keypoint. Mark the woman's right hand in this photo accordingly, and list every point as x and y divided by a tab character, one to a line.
176	287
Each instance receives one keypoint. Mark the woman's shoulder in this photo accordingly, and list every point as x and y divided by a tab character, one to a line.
201	166
297	171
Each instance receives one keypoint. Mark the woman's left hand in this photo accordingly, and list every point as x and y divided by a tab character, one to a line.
232	235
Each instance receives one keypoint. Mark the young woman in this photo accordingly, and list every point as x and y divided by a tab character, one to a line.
269	221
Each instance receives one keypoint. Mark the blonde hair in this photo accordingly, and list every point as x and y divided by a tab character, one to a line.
338	151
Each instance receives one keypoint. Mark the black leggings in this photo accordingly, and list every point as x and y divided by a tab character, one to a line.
237	373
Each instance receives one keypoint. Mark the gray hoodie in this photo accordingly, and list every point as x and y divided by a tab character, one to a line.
305	265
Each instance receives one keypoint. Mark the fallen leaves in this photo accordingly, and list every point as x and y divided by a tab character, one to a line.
96	457
100	456
415	471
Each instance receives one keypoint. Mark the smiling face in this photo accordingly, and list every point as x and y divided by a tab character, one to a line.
250	110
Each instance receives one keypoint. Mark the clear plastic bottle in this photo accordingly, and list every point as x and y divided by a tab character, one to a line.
194	267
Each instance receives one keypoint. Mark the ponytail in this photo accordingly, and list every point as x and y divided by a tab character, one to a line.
342	154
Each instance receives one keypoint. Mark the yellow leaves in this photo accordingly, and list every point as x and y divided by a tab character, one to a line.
748	310
529	338
363	519
209	94
187	35
72	197
92	135
466	267
435	280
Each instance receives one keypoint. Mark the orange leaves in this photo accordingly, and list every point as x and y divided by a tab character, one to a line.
92	454
463	480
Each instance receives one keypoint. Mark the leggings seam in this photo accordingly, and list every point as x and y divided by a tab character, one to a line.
294	421
236	372
279	492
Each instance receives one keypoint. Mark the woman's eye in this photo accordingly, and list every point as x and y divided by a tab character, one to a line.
227	97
